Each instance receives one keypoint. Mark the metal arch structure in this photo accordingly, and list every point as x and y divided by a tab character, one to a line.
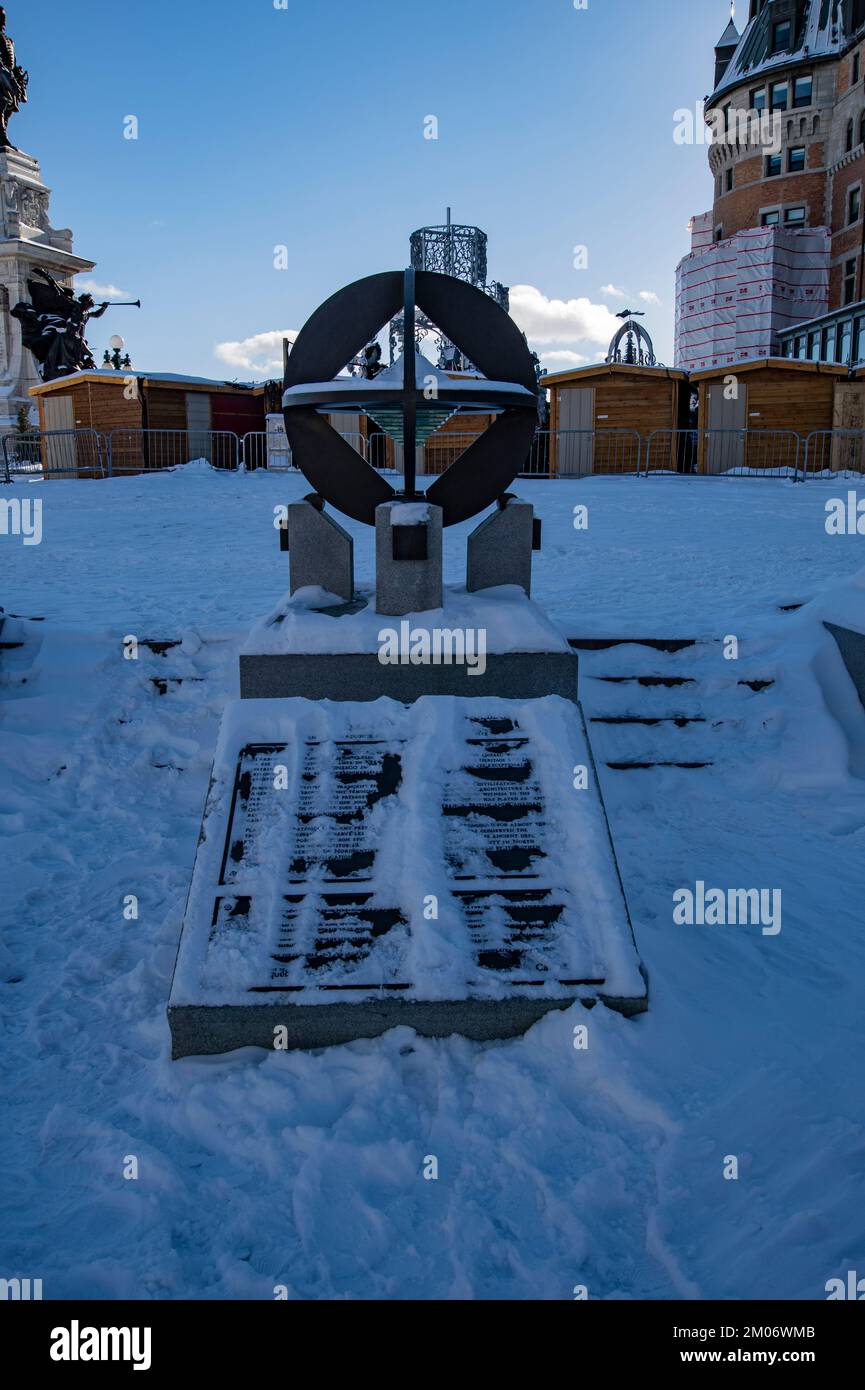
340	329
451	249
638	350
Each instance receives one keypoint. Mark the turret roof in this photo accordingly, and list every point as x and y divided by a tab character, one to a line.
825	30
730	37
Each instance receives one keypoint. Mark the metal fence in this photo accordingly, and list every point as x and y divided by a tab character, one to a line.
153	451
835	453
273	451
563	453
724	453
553	454
56	454
253	451
579	453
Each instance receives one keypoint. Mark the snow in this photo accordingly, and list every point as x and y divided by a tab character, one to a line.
409	513
510	621
557	1166
413	838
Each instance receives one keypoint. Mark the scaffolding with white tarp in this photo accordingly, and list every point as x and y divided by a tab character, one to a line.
735	296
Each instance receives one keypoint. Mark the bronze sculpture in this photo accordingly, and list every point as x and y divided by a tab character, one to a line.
13	84
54	325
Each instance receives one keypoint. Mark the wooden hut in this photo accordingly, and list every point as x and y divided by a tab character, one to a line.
601	415
757	414
182	417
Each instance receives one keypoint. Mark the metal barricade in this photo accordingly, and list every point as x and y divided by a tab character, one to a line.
579	453
56	454
254	450
154	451
724	453
834	454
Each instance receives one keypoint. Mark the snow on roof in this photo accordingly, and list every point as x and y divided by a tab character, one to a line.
826	29
124	374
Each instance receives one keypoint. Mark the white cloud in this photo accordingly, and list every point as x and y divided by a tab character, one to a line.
560	321
649	297
613	292
100	292
559	361
261	354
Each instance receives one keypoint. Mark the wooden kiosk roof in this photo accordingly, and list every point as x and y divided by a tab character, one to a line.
780	364
574	375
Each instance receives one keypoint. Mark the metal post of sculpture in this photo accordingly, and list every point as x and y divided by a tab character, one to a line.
13	84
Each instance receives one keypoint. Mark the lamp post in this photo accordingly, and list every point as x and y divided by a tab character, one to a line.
113	358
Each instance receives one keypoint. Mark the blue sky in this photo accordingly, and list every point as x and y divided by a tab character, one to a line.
303	127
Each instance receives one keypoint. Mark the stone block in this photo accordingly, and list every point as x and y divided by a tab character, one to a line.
321	553
500	549
852	648
408	558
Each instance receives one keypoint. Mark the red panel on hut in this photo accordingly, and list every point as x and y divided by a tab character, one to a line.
239	413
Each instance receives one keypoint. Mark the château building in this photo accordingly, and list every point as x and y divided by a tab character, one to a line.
776	267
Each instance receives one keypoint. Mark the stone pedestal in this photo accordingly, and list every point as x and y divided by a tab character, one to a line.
320	552
27	240
500	549
408	558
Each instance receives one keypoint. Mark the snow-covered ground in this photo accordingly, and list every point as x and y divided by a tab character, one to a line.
556	1167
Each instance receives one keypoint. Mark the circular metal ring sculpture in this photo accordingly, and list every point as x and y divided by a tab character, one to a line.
341	328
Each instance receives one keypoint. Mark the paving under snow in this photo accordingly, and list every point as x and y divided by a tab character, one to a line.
557	1167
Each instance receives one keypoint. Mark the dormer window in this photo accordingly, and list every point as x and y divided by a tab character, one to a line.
781	32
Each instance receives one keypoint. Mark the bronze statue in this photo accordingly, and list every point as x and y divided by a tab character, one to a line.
13	84
54	326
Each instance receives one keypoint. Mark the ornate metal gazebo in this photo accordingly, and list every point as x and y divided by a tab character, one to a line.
459	251
632	345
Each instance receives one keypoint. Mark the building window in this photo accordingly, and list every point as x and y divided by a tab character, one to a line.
794	215
827	345
845	340
854	204
729	179
796	159
781	36
814	346
859	341
849	281
780	96
856	68
719	232
758	99
770	219
862	129
803	91
718	187
773	166
801	347
849	140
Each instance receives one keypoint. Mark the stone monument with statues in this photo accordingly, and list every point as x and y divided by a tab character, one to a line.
29	245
